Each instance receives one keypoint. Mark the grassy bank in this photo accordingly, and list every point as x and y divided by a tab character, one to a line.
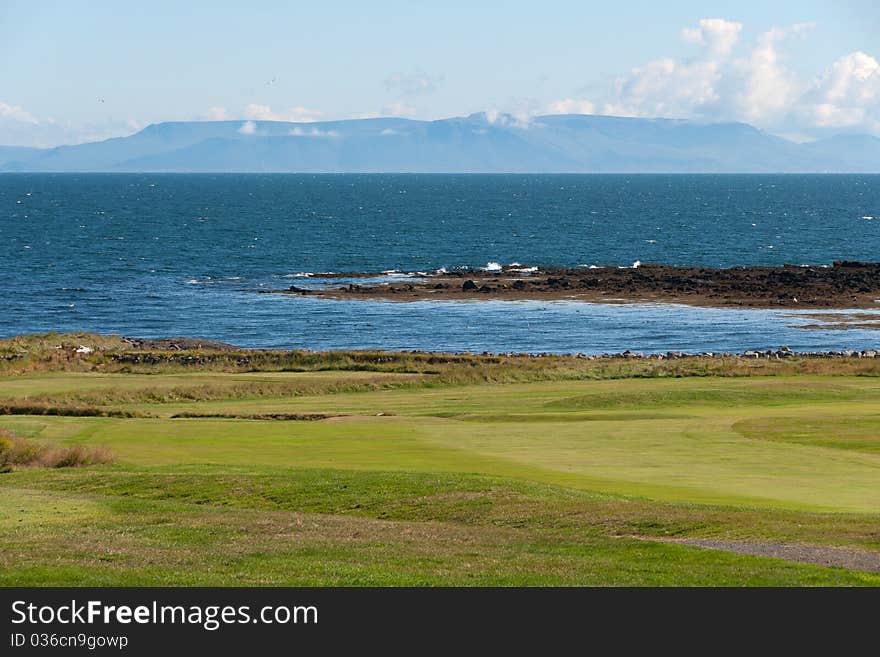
362	468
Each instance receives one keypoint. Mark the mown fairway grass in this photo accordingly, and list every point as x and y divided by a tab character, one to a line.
413	480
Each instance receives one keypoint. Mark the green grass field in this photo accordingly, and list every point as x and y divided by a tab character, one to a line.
421	478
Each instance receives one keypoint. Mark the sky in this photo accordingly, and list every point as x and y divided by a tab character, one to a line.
73	71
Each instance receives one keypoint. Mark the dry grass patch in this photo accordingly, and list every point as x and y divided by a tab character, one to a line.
16	451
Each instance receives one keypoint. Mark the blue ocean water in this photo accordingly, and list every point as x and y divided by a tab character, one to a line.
153	255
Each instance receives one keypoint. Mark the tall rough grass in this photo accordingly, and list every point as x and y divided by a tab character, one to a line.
109	354
16	451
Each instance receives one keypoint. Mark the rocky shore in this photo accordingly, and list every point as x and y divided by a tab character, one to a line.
843	285
190	352
766	354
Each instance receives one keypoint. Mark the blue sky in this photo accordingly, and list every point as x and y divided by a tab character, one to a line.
78	71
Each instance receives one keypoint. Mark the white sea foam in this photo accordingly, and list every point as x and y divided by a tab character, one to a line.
299	274
210	280
493	266
524	270
867	217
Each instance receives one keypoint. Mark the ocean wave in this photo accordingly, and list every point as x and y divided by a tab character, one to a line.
209	280
396	273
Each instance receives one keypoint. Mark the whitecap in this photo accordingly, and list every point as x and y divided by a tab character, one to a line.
493	266
868	217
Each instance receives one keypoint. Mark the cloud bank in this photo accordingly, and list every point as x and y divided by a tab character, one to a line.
296	114
20	127
727	79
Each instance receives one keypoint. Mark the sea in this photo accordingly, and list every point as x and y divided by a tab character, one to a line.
165	255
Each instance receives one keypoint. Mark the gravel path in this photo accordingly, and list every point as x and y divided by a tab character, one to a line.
821	555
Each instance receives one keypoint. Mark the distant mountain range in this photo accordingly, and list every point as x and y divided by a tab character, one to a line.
568	143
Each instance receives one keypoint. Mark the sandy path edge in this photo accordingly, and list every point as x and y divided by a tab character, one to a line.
820	555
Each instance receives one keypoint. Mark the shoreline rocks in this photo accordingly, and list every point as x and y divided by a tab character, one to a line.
845	284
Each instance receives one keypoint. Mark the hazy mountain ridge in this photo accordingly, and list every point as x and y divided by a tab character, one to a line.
477	143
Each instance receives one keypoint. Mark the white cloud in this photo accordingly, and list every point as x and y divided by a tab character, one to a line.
313	132
399	109
248	128
296	114
728	79
846	94
718	35
671	87
766	89
412	84
516	119
18	127
571	106
215	114
666	87
16	113
492	115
